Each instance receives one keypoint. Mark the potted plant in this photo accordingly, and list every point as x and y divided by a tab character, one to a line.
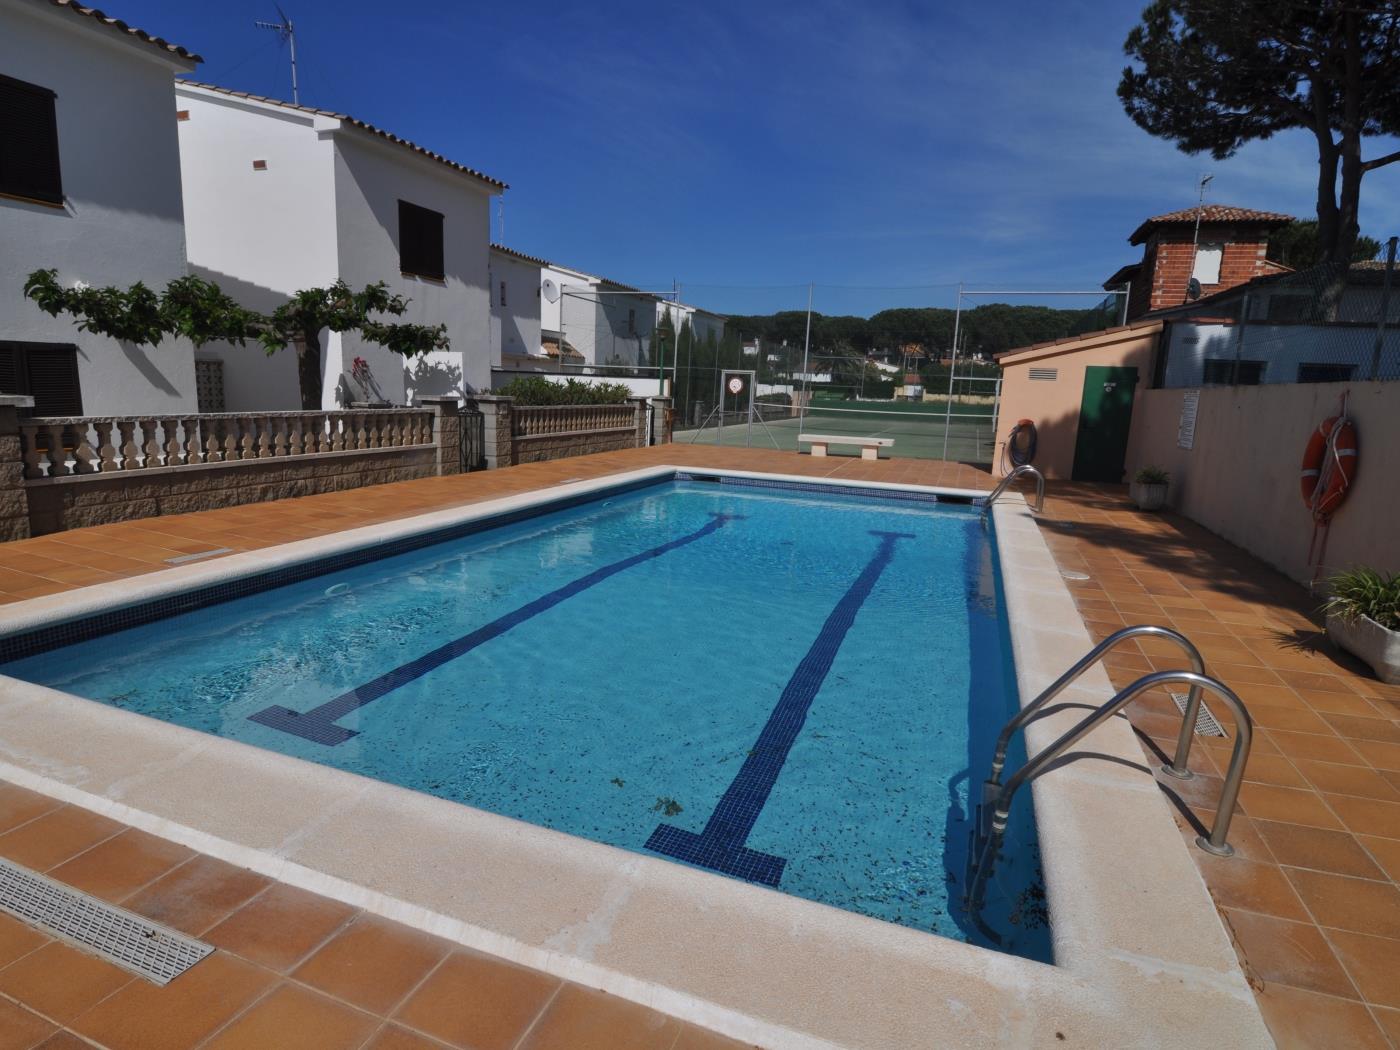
1363	617
1149	488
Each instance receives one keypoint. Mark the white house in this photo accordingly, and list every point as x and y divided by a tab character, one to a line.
281	197
90	186
603	322
515	310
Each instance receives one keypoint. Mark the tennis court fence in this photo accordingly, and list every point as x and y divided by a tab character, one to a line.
961	430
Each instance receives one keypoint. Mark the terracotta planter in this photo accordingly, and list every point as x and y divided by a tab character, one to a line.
1378	646
1147	495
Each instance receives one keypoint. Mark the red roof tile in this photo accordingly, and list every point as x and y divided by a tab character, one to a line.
1211	213
122	27
356	123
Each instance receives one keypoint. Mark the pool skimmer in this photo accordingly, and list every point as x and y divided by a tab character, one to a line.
131	941
1206	725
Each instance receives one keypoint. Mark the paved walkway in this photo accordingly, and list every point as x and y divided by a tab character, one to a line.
1312	900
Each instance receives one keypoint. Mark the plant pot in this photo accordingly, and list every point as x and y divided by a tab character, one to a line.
1148	495
1378	646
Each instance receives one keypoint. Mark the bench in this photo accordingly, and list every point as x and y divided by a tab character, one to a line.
869	446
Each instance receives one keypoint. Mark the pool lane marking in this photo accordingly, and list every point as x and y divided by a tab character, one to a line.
318	724
721	846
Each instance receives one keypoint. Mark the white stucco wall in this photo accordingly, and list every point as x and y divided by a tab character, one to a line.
260	235
371	177
326	207
121	221
515	327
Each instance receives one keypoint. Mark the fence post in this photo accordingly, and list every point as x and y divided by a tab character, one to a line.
641	416
447	432
498	436
14	501
662	420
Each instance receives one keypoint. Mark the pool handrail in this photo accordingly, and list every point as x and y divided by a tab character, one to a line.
1216	843
1005	483
1178	766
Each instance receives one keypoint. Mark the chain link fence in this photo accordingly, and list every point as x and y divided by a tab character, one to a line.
1329	324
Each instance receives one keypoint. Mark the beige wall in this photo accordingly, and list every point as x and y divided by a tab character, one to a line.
1054	405
1241	478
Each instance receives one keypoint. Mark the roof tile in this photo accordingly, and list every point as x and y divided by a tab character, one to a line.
353	122
122	27
1210	213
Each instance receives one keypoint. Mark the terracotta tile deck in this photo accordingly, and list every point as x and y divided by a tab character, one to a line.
1311	898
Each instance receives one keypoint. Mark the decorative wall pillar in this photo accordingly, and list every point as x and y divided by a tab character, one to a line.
641	414
447	432
498	443
14	501
663	421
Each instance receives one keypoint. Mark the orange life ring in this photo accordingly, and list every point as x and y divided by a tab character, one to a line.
1329	466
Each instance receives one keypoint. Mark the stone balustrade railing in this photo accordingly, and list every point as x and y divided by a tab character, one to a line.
543	420
58	447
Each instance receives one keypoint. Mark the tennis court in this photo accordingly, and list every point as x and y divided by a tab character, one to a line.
916	427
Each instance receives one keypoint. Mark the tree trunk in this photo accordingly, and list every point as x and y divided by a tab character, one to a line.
308	350
1340	247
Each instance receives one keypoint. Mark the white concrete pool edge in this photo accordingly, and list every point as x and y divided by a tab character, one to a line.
1142	957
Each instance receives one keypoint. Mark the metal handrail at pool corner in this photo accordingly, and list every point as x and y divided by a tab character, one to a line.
1005	483
986	848
1178	765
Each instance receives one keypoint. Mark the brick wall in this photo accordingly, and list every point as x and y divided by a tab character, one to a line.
1169	257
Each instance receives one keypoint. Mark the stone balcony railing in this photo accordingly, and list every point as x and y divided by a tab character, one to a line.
82	445
545	420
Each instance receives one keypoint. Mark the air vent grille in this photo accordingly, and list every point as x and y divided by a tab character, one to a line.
1045	375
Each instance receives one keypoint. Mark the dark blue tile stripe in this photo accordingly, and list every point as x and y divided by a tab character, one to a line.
318	724
721	846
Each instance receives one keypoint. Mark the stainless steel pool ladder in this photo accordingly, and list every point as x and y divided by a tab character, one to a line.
1005	483
993	812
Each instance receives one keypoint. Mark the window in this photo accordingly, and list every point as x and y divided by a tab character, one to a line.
1221	372
420	241
503	293
1313	373
209	385
28	142
48	372
632	322
1207	268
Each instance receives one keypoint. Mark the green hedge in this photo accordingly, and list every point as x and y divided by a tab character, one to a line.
532	390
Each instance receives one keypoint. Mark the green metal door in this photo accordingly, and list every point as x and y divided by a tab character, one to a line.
1105	415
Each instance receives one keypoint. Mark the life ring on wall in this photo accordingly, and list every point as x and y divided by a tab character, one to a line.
1329	466
1021	443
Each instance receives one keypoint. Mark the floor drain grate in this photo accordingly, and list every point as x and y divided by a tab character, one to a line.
1206	725
131	941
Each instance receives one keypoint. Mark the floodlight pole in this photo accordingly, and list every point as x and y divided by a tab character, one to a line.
952	367
806	349
1385	308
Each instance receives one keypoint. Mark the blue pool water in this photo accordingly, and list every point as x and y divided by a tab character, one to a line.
784	687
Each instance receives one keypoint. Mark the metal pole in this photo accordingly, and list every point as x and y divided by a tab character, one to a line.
1239	340
806	350
952	367
1385	308
292	43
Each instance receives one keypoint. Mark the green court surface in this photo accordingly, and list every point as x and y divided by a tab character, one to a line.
918	431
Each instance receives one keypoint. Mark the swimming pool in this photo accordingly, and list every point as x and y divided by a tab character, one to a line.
782	684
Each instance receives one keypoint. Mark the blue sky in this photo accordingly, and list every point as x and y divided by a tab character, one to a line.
883	151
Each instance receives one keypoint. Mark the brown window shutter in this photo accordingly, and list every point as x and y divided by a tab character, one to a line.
53	381
29	164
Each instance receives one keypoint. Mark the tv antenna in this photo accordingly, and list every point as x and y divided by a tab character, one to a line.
287	32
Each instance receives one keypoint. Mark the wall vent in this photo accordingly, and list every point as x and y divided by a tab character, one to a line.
259	165
1045	375
182	114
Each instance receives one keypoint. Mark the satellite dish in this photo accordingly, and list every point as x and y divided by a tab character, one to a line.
1193	289
550	290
